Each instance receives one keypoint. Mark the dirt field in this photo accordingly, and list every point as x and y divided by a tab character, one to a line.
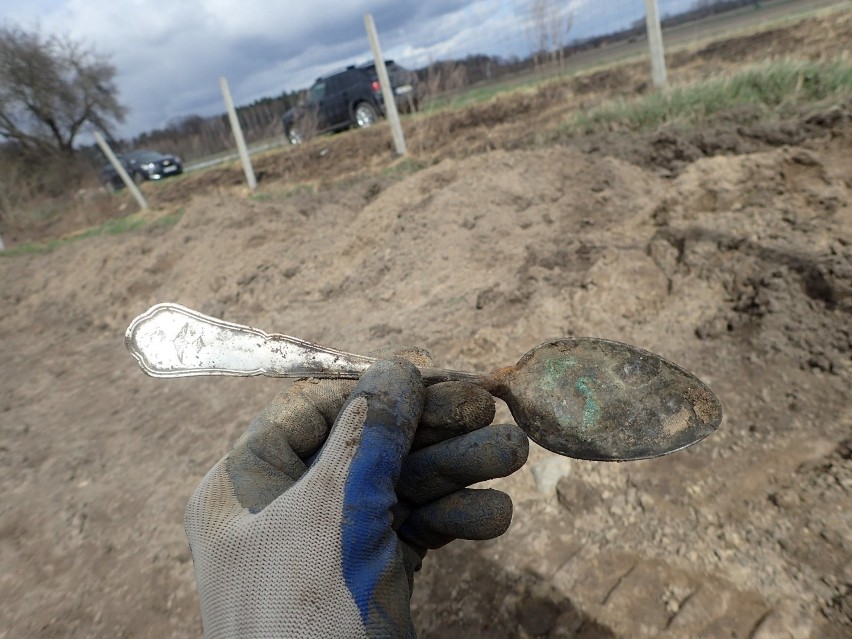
726	249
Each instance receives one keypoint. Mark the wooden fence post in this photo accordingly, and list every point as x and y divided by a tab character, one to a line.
387	89
655	43
238	134
119	167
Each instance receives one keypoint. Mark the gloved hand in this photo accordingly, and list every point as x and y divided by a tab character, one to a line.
302	532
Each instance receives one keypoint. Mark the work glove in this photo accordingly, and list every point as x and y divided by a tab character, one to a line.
305	529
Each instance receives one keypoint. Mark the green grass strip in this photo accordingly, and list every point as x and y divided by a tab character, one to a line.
770	87
117	226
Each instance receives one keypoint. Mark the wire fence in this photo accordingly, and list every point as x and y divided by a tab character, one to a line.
531	36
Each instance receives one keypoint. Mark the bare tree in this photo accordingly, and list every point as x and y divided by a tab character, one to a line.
50	87
538	30
560	26
547	26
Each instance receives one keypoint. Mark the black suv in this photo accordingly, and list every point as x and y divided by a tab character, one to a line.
352	97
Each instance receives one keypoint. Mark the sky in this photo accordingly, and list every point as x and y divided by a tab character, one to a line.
169	55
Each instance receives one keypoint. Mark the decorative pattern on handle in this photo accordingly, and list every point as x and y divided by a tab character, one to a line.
170	340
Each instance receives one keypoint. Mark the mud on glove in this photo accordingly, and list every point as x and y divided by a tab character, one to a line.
299	531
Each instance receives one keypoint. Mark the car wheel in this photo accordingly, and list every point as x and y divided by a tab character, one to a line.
138	178
110	187
365	115
295	136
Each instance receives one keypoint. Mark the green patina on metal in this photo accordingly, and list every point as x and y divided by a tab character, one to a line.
591	408
558	377
555	369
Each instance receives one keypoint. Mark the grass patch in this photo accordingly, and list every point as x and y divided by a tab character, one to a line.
130	223
282	194
403	168
126	224
771	87
477	94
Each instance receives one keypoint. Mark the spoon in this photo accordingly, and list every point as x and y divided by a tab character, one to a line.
582	397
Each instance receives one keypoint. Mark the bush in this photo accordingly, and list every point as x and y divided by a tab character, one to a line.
37	192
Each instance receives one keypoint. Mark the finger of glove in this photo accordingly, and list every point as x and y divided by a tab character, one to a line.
443	468
352	484
297	420
308	410
418	356
465	514
269	457
373	433
453	409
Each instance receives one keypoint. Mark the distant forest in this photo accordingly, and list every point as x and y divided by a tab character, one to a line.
193	137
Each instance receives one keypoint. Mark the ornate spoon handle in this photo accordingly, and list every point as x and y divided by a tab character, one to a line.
170	340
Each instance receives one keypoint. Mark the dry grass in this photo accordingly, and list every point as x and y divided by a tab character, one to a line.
306	124
35	193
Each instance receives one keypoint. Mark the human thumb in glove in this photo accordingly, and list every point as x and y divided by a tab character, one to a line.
288	541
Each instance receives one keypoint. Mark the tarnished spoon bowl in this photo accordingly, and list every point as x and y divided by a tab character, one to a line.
582	397
602	400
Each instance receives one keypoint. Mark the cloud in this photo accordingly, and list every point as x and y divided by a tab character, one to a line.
170	55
